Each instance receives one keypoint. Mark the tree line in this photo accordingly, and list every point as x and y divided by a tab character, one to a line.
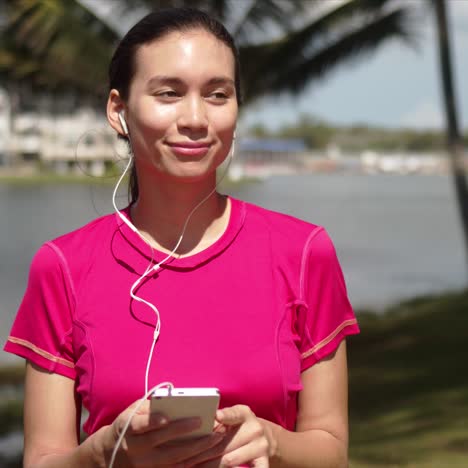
318	134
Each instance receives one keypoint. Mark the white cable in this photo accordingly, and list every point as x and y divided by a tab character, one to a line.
130	417
150	268
155	267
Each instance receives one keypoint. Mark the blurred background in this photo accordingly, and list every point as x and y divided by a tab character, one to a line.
355	117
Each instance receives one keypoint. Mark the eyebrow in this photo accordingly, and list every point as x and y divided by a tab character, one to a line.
173	80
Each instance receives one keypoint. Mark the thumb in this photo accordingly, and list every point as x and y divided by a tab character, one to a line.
234	415
261	462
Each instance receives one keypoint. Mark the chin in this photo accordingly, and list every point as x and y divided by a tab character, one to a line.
193	171
190	175
195	178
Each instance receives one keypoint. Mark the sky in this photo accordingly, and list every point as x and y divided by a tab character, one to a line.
395	86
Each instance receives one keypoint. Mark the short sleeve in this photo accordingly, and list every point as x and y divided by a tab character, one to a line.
326	317
42	330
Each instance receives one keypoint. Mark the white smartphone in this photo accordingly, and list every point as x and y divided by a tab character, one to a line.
180	403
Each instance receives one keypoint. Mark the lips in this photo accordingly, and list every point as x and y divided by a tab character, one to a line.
190	149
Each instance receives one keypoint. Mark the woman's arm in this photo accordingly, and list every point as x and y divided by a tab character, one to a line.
321	437
50	423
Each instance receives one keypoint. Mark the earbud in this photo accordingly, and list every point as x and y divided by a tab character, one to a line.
123	123
233	145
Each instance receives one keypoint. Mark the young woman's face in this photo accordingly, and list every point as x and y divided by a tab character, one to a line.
182	107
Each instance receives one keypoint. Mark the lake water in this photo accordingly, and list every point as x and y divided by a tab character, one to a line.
396	236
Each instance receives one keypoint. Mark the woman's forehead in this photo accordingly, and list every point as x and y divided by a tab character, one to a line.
184	53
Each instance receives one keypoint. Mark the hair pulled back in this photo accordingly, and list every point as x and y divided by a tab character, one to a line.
152	27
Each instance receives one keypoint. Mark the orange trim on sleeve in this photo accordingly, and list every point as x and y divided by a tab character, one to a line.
329	338
41	352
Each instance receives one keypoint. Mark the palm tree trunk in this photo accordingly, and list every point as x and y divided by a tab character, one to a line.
454	141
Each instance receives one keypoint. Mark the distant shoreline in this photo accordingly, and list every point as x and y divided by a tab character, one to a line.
44	178
52	178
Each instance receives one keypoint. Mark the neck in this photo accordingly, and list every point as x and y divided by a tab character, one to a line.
163	207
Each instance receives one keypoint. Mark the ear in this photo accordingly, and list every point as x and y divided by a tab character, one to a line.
115	105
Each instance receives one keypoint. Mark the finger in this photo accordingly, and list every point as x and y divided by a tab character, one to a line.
234	415
177	452
244	434
262	462
141	420
215	463
143	441
215	452
254	450
143	407
144	423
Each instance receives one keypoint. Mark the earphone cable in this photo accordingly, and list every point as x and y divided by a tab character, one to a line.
150	268
155	267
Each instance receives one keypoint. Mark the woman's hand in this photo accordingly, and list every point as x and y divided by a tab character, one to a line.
248	440
151	440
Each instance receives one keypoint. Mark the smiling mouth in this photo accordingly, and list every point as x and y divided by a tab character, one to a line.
190	149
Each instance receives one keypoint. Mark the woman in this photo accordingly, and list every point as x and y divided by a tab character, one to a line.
252	302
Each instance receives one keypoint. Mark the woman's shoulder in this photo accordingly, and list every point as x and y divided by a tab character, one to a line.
287	236
278	223
92	231
77	246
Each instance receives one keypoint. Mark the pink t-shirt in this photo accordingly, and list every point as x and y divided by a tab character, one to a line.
247	315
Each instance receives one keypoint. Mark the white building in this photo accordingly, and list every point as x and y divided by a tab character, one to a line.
50	131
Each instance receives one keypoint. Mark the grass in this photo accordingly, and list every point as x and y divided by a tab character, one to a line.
11	403
110	178
49	178
408	386
12	375
11	416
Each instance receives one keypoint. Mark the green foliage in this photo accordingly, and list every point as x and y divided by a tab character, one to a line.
55	43
61	43
344	32
409	386
12	375
17	462
318	134
315	133
465	139
11	416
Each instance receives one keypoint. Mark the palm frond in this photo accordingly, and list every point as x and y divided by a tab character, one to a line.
267	14
65	42
55	43
300	58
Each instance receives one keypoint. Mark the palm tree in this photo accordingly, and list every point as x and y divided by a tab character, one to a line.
64	43
454	141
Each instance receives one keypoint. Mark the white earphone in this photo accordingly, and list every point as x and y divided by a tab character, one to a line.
149	269
123	123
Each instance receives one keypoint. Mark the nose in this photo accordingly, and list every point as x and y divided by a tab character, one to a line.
193	115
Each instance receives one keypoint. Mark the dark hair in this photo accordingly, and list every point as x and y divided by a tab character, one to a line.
152	27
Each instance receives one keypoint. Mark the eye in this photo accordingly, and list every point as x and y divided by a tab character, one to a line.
167	94
218	96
